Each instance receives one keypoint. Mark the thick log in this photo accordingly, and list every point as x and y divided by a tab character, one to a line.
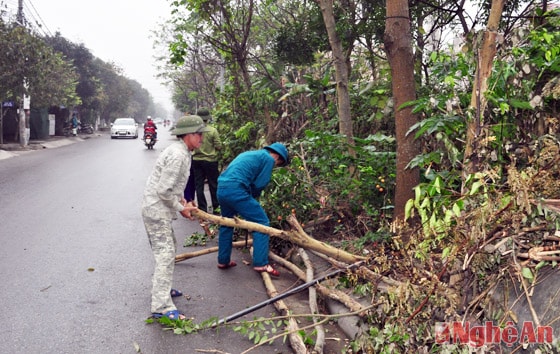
292	328
296	341
298	236
320	330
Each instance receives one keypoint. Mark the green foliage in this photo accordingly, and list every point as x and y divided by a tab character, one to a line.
237	133
89	87
297	105
390	339
319	184
371	238
301	35
439	205
48	77
542	47
260	330
186	326
442	129
196	239
372	108
445	194
100	88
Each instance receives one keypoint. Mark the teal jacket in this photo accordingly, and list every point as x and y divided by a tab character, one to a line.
250	170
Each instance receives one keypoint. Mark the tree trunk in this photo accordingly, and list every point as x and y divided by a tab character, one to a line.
398	45
483	72
341	73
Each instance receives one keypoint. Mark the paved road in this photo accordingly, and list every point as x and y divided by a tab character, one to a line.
75	263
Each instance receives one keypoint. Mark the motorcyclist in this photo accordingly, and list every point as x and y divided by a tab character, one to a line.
150	127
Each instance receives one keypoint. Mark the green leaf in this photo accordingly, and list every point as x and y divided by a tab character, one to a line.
456	209
520	104
527	273
445	253
476	185
408	209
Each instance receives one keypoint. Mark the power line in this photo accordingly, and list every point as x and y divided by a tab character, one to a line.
34	14
30	16
9	10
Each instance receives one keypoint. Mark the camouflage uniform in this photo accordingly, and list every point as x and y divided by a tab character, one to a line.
162	201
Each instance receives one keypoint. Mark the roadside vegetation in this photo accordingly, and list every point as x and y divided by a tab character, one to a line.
56	72
484	129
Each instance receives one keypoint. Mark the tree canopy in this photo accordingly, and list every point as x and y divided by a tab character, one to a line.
54	71
468	88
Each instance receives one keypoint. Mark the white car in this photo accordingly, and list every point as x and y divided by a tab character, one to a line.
124	128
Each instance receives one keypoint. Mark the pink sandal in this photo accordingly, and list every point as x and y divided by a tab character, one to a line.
226	266
267	269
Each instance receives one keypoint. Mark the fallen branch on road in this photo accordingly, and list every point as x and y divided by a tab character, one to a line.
296	236
313	307
292	328
184	256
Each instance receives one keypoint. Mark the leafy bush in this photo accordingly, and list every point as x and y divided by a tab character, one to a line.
324	184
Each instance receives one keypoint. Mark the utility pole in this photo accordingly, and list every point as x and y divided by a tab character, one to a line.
25	100
19	17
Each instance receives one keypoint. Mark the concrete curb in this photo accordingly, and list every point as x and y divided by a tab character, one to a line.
14	149
60	142
4	154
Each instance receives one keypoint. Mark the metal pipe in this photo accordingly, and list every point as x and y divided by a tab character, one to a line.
290	292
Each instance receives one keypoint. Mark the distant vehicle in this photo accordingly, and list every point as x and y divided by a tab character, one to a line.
124	128
149	139
158	120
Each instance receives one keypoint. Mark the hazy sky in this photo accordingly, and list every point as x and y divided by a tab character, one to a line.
119	31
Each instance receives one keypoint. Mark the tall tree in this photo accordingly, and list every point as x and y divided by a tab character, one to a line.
342	68
29	67
89	87
117	91
398	44
225	25
485	61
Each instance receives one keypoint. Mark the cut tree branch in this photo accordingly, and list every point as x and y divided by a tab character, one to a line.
298	236
185	256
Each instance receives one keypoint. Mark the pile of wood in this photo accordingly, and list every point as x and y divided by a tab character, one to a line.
338	258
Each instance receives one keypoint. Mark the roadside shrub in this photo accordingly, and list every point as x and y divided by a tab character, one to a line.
333	194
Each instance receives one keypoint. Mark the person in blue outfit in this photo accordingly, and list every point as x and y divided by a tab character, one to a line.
74	123
239	186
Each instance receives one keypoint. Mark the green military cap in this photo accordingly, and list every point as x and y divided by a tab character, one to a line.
189	124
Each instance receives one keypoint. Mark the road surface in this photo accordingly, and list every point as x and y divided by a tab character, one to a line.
75	263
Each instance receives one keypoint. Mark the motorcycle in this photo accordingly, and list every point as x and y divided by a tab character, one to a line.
85	128
68	129
149	139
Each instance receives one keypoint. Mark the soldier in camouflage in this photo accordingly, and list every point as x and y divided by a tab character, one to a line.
163	198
